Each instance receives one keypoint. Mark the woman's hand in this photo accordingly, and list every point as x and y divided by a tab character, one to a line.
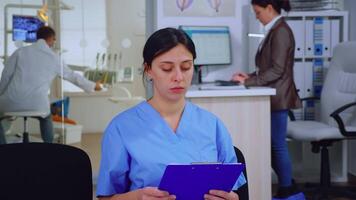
147	193
219	195
240	77
153	193
242	74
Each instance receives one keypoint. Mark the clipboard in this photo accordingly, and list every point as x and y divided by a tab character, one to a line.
191	182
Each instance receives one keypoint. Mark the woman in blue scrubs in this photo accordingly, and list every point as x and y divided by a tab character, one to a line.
140	142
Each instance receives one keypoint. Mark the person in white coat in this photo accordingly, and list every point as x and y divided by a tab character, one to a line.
27	77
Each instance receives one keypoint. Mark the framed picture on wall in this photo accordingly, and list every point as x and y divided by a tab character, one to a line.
198	8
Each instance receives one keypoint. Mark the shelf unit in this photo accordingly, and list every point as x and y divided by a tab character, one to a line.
316	34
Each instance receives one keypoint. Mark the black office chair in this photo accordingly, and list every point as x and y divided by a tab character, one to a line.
243	190
44	171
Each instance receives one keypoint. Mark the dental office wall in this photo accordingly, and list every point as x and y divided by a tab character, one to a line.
110	21
165	13
124	20
350	5
100	27
83	32
121	19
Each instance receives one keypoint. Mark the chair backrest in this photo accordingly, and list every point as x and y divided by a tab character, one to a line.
44	171
340	84
243	190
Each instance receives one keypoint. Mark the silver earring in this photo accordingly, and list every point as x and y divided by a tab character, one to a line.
149	79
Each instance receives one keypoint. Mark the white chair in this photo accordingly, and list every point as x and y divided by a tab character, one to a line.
25	115
338	116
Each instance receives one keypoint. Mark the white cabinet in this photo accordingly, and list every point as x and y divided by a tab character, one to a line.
246	114
315	33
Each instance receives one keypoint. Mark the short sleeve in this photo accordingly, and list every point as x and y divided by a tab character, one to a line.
226	152
114	165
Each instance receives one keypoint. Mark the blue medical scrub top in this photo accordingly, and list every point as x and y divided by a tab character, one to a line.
138	144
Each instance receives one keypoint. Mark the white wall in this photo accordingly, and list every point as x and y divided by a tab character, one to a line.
123	19
350	5
83	31
87	21
105	21
236	23
126	19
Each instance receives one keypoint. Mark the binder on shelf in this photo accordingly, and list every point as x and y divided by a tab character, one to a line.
309	38
318	78
298	70
308	79
335	34
297	27
318	35
325	27
318	71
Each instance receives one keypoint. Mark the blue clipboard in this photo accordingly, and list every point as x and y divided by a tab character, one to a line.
191	182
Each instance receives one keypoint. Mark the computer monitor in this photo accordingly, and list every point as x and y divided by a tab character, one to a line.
24	28
212	44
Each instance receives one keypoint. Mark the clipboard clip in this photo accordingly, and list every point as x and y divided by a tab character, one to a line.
205	163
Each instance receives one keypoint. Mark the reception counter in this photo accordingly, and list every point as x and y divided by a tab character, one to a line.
246	114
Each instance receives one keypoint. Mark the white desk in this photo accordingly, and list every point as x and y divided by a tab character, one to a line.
246	114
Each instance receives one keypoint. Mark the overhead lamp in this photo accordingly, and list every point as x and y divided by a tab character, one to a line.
42	13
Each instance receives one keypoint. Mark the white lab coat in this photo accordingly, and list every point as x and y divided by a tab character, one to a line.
28	75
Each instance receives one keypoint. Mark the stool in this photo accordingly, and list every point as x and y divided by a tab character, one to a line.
25	115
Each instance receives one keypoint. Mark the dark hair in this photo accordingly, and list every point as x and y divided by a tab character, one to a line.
45	32
276	4
164	40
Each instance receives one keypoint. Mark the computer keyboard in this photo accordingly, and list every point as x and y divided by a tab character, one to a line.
226	83
212	86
